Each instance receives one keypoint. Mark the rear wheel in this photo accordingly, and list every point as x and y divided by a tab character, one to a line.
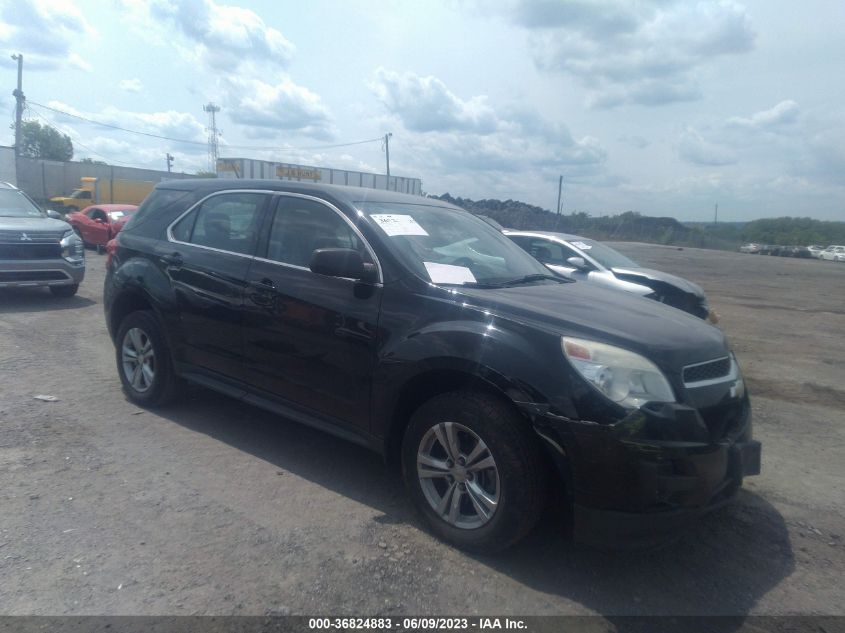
474	470
143	361
64	291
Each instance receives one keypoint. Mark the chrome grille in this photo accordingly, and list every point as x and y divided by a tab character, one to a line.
711	370
27	250
31	237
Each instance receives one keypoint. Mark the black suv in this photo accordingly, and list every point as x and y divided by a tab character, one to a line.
414	328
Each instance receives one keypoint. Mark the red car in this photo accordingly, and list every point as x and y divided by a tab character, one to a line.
97	224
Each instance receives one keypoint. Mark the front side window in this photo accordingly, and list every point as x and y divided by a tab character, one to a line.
302	226
227	222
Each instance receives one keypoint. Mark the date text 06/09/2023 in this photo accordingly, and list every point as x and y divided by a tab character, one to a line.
411	623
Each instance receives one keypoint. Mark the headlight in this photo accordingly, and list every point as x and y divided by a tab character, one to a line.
622	376
73	250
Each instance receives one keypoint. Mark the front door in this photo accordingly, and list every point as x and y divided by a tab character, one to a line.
310	339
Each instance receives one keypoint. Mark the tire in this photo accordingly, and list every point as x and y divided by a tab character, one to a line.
158	384
64	291
516	481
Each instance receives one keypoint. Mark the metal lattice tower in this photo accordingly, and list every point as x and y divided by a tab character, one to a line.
212	110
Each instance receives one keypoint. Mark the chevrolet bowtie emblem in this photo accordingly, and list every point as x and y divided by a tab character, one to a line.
25	238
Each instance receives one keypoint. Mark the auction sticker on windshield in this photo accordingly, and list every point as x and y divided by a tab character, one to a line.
397	224
448	274
582	246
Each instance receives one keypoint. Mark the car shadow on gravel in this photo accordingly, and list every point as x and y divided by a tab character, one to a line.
722	566
35	299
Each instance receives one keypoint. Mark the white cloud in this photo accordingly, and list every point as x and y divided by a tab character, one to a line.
284	106
77	61
222	36
783	114
425	104
45	32
470	134
693	148
646	53
130	85
170	123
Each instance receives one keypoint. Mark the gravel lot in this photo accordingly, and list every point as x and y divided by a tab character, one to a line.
214	507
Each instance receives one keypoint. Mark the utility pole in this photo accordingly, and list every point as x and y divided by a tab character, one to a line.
19	96
559	192
169	161
387	154
716	214
212	110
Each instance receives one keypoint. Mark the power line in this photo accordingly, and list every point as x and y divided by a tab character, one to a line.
187	142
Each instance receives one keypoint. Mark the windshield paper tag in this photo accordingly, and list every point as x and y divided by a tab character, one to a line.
396	224
581	245
448	274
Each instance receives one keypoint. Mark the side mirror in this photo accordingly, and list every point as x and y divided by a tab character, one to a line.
55	215
341	262
577	262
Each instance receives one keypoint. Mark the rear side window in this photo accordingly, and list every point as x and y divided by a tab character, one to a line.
159	201
227	222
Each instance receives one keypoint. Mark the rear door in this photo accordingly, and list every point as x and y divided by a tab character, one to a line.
207	257
310	339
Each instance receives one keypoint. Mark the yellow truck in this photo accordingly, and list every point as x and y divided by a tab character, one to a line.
92	191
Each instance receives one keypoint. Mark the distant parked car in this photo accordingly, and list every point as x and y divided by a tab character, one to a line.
815	250
834	253
766	249
751	248
776	250
802	252
96	225
581	258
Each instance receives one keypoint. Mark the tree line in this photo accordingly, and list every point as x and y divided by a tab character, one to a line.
632	226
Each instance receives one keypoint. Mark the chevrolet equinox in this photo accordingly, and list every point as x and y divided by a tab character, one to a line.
416	329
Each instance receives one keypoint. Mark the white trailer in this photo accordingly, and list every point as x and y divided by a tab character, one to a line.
249	168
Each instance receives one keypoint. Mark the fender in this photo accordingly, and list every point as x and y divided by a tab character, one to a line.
140	278
446	355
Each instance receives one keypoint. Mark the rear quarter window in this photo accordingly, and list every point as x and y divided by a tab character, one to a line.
161	202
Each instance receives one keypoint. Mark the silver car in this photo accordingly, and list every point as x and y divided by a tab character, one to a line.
36	249
579	257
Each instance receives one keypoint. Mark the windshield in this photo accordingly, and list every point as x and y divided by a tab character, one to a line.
603	254
447	246
13	204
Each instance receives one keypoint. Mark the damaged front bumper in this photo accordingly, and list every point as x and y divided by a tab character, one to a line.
641	480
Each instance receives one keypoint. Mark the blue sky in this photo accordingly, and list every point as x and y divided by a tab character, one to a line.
663	107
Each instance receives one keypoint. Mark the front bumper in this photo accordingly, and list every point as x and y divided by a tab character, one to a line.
19	273
641	481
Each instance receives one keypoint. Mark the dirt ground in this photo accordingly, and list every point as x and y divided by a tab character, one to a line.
214	507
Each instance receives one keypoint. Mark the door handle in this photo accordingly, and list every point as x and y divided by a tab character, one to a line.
174	260
262	292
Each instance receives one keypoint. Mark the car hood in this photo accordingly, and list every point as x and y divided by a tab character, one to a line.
669	337
639	275
32	224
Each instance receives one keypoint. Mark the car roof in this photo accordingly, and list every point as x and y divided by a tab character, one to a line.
350	195
7	185
562	236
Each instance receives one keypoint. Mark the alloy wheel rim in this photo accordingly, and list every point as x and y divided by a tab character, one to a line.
138	358
458	475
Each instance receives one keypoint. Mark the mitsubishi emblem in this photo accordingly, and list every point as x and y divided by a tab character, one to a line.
25	238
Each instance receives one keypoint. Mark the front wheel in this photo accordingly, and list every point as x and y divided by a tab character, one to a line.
474	470
143	361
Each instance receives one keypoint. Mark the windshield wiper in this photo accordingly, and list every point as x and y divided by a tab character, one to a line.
514	282
536	277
